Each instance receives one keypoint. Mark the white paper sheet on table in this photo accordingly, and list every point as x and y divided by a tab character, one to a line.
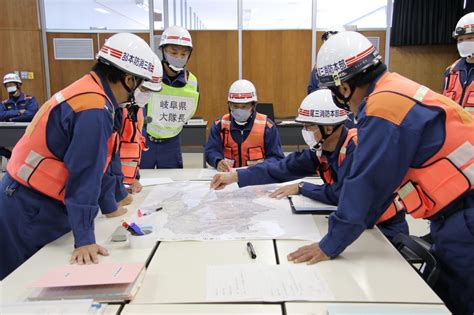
50	307
239	283
155	181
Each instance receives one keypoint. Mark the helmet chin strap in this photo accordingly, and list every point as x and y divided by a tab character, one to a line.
324	136
338	96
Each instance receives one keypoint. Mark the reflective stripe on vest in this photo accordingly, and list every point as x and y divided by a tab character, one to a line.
171	108
32	163
249	152
132	143
449	173
454	89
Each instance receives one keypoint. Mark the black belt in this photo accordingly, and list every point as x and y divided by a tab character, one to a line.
156	140
452	208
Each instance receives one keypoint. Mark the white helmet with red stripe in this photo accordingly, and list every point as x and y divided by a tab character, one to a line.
129	53
176	35
241	92
465	25
155	83
11	77
343	56
319	108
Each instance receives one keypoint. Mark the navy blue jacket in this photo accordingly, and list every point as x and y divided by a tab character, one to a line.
11	107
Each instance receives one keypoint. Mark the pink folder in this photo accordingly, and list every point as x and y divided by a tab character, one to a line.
95	274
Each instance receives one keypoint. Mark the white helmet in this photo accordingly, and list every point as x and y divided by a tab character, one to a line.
343	56
129	53
176	35
157	77
333	30
319	108
465	25
11	77
242	91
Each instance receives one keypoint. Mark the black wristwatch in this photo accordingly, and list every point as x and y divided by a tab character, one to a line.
300	185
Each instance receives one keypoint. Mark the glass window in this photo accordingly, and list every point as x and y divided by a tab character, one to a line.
94	15
362	13
210	14
276	14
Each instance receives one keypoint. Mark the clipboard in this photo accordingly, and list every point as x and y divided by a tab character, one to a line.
319	208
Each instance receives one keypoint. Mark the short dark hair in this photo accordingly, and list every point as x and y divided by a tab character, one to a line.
368	75
111	73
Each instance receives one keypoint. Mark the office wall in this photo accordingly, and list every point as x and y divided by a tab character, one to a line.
64	72
214	61
278	62
21	50
424	64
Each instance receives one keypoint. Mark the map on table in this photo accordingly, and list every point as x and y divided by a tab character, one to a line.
191	211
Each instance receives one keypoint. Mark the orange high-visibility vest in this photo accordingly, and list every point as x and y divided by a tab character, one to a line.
132	143
32	163
326	174
449	174
249	152
454	90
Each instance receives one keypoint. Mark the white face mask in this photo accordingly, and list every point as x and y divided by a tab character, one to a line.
466	48
177	64
141	98
11	89
241	115
309	138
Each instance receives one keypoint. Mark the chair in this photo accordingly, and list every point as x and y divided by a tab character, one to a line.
417	253
266	109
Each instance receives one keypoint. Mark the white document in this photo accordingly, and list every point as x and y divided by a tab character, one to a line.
207	173
239	283
386	309
51	307
155	181
303	203
192	211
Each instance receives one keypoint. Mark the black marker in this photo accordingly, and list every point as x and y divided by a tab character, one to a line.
251	250
151	212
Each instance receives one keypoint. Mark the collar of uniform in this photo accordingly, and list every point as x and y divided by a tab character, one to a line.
247	126
12	99
106	87
177	81
463	65
335	154
369	91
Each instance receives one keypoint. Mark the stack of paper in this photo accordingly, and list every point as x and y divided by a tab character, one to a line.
112	282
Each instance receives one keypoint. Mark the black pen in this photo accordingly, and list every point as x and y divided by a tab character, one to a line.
251	250
151	212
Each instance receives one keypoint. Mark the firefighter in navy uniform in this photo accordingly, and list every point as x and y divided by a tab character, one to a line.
243	137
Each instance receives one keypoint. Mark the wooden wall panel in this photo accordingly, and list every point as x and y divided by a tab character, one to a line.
279	64
21	45
19	14
64	72
214	61
423	64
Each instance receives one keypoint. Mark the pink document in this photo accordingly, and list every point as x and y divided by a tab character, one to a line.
95	274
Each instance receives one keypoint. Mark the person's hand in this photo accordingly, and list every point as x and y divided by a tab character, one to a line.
219	181
136	187
223	166
285	191
126	201
120	211
310	254
85	255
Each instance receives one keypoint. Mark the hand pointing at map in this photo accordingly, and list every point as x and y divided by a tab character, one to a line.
219	181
